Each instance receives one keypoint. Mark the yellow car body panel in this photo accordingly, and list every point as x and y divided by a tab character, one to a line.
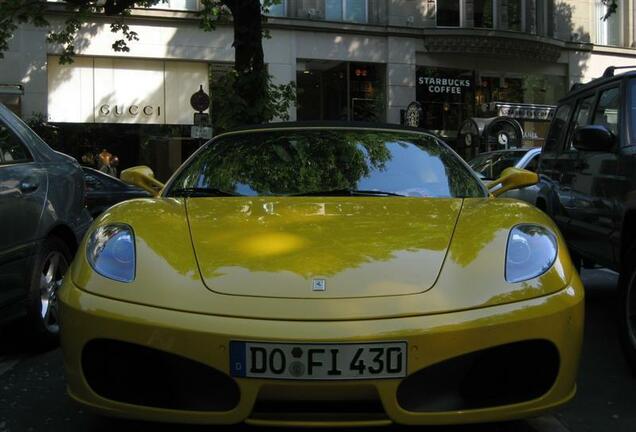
441	289
168	274
556	317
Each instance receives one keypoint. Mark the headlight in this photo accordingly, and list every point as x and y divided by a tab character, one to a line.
111	252
531	251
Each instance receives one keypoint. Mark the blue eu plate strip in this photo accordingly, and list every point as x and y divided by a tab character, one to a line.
237	359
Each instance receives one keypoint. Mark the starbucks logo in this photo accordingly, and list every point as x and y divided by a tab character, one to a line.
414	114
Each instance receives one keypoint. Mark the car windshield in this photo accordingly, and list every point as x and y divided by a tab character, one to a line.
326	162
490	165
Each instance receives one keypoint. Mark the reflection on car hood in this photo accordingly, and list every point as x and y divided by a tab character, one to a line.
360	246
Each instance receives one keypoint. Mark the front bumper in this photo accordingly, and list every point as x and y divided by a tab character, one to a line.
432	340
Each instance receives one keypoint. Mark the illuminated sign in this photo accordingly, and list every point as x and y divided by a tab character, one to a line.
444	85
525	111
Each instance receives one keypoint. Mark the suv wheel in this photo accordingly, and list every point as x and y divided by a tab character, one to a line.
51	264
627	310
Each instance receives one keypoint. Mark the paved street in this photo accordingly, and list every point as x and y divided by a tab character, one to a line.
32	395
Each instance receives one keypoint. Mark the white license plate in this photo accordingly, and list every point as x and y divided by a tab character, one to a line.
331	361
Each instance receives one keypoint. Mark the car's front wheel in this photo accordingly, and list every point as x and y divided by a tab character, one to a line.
627	310
43	317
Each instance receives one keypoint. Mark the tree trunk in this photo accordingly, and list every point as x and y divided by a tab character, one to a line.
252	79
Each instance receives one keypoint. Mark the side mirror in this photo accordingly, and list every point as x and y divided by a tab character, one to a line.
512	178
143	177
593	138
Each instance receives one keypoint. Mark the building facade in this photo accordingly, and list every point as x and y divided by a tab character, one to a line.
351	60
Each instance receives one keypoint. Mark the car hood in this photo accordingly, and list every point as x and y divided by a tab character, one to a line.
317	247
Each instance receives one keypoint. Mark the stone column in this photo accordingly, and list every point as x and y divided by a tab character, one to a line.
400	76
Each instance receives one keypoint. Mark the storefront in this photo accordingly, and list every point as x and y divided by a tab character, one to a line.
450	96
135	109
345	91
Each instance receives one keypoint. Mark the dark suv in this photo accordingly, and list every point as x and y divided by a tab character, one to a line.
588	173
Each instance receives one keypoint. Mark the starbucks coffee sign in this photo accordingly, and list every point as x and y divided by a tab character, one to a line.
444	85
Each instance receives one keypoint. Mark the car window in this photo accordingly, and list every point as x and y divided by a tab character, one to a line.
607	110
317	161
533	164
92	182
632	111
12	150
558	129
582	115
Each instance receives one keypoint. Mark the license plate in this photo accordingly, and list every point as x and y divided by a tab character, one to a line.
318	361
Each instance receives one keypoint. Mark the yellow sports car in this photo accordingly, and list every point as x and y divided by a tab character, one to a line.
322	276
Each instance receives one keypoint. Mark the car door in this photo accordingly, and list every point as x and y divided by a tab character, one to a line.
597	185
23	185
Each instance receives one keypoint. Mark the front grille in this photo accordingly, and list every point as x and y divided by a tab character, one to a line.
315	403
502	375
138	375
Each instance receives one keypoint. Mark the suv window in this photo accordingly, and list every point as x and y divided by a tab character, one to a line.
608	110
12	150
91	182
582	115
632	110
558	128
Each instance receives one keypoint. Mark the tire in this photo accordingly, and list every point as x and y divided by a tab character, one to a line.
49	268
627	309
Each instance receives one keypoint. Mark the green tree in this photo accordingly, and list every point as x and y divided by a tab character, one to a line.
252	91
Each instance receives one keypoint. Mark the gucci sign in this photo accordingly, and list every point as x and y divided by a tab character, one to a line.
132	110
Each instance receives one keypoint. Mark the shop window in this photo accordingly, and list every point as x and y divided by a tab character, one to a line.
448	13
340	91
447	98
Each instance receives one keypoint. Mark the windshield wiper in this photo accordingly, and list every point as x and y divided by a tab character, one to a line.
348	192
200	192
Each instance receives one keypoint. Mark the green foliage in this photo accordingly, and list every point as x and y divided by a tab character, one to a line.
229	109
15	12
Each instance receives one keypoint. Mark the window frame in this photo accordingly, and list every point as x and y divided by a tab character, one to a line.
16	135
559	146
343	13
285	10
622	106
462	15
567	145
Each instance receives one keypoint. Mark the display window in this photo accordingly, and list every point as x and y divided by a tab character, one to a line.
343	91
446	96
451	96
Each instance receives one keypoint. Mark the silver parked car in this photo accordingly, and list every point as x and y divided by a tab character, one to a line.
489	166
42	219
